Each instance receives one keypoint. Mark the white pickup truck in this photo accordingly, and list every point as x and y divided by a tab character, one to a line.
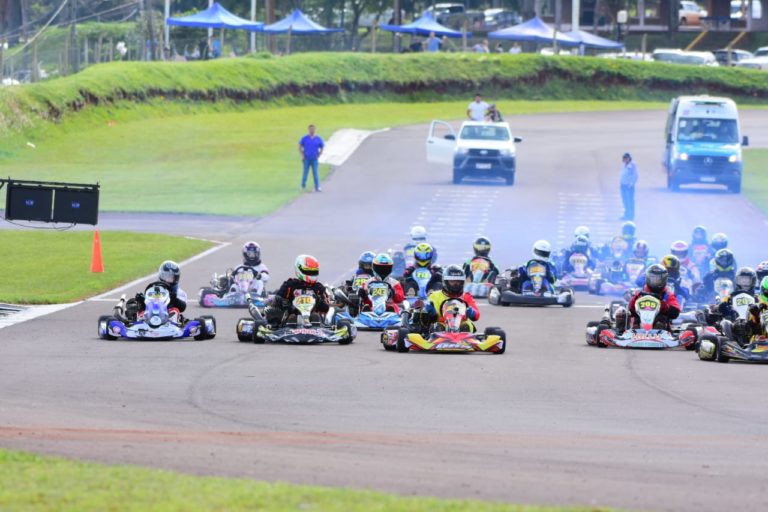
480	150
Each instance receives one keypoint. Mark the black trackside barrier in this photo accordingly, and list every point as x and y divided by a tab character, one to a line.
50	201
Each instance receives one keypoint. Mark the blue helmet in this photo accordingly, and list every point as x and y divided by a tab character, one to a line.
366	261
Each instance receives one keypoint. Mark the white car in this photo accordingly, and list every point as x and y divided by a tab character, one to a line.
481	149
760	63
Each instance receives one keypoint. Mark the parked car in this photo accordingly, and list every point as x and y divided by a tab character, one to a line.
761	52
674	56
690	13
739	9
760	63
735	57
443	10
500	18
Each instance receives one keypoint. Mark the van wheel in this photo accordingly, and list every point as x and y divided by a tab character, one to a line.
672	184
510	178
736	187
457	177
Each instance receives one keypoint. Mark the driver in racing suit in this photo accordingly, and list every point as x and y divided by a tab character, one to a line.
423	256
679	249
541	252
168	277
307	269
482	248
580	245
382	268
418	236
656	277
724	268
744	282
453	288
251	261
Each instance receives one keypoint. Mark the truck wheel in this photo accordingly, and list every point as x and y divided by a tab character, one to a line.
457	176
735	187
510	177
672	184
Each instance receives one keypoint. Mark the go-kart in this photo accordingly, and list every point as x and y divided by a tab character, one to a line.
651	333
420	284
730	342
155	322
509	290
232	290
578	278
447	336
300	325
723	287
605	282
480	284
373	318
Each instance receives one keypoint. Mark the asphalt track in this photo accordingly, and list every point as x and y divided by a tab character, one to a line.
552	421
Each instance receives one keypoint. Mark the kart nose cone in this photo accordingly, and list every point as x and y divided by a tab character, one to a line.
155	321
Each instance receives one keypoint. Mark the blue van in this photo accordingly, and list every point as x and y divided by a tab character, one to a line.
704	143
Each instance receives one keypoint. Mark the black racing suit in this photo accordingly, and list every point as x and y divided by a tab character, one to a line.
492	272
714	275
281	303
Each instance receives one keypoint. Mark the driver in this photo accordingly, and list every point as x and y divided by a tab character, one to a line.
251	261
168	277
679	249
580	245
755	323
718	241
365	264
306	268
745	282
482	248
453	288
724	265
656	277
382	268
541	252
418	236
423	257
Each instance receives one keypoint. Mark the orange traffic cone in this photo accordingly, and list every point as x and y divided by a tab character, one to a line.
97	265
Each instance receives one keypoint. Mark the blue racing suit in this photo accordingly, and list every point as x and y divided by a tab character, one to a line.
550	278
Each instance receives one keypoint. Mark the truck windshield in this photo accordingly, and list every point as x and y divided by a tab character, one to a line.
691	129
484	133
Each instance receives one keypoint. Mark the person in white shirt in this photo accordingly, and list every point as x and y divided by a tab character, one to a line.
515	49
477	109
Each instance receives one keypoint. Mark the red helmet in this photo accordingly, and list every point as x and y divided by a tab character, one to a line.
307	268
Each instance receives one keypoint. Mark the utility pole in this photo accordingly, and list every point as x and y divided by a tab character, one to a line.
269	6
167	29
150	30
398	21
253	18
74	48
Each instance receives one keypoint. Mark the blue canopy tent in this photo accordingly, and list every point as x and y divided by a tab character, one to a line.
589	40
536	31
298	23
423	27
215	17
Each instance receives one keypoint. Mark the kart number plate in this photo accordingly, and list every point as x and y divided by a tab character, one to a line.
482	166
707	179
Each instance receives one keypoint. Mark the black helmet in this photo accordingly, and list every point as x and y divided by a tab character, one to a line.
453	281
746	280
719	241
628	229
382	266
482	246
251	253
169	273
699	235
656	278
724	260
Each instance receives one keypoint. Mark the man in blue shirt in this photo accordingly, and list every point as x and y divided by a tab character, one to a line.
311	147
627	181
433	43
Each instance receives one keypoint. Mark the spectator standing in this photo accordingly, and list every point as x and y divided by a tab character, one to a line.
627	183
311	147
493	115
515	49
481	47
433	43
477	109
499	48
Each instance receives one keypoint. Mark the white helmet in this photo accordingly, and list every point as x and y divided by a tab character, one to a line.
581	231
541	250
418	233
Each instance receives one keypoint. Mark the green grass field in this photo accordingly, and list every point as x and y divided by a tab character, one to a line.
49	267
34	483
756	177
159	159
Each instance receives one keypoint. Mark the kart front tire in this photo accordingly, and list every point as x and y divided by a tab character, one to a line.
497	331
402	335
255	336
240	336
209	333
102	328
203	334
350	338
719	356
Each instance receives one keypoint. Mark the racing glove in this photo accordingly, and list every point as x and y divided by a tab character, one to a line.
471	314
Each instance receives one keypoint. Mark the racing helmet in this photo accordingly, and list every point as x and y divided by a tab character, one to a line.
418	234
719	241
251	254
699	235
656	278
307	268
762	270
672	264
169	273
746	280
628	229
581	231
482	246
679	249
640	250
541	250
422	254
764	289
724	260
580	245
382	266
365	261
618	247
453	281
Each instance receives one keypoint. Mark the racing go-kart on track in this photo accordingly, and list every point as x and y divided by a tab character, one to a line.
508	290
222	294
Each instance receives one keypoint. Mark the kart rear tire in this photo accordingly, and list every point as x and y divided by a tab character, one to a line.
497	331
388	348
349	339
240	336
203	334
402	335
569	303
599	331
255	336
203	293
106	335
208	334
719	356
457	176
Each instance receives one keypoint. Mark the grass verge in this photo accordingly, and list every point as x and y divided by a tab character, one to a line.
44	267
756	177
159	158
32	482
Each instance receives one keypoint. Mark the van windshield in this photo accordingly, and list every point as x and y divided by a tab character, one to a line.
484	133
692	129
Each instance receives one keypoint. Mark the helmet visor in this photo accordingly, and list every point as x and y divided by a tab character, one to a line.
657	282
541	253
